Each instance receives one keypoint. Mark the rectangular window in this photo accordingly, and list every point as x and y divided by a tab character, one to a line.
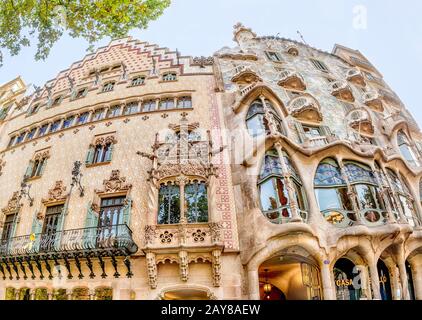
131	108
315	135
20	137
166	104
68	122
273	56
108	87
319	65
31	134
55	126
184	103
111	211
8	227
11	141
148	106
43	130
98	115
113	112
36	168
138	81
50	227
83	118
81	93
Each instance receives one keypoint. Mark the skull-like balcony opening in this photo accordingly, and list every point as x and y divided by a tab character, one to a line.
355	76
244	75
341	90
360	121
305	108
292	80
373	100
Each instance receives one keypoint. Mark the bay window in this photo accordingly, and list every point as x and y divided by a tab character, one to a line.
406	149
405	199
273	190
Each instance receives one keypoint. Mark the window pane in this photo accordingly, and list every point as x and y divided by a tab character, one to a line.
196	202
328	199
256	125
169	205
365	197
268	196
328	174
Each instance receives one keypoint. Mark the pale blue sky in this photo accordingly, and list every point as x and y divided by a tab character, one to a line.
392	40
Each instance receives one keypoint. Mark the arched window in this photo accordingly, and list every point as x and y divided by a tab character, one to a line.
257	121
102	153
274	197
406	149
365	184
195	206
406	201
331	193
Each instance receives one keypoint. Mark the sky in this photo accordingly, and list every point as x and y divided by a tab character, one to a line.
387	32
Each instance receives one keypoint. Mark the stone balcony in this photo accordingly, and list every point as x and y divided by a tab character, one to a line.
183	244
193	237
21	253
373	100
290	79
306	108
355	76
360	121
244	75
341	90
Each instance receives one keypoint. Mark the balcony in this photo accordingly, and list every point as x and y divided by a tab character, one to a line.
244	75
355	76
367	217
293	80
305	108
360	121
341	90
62	246
170	238
373	100
183	244
390	96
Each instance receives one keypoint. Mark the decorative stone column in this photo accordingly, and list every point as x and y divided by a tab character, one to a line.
401	263
374	283
289	185
327	282
253	285
366	290
181	181
416	266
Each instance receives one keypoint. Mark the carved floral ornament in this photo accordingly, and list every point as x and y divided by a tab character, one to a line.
13	205
57	193
195	169
42	155
115	184
2	165
102	141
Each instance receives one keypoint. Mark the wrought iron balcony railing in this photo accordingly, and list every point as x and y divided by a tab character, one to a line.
116	240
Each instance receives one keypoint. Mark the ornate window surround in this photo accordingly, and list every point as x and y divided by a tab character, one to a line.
100	140
40	155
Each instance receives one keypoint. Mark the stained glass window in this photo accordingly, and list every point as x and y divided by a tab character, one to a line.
271	165
359	173
328	174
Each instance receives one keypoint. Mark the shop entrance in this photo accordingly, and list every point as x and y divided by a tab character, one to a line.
347	280
289	277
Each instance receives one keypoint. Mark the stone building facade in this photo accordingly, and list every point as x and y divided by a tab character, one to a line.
272	170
